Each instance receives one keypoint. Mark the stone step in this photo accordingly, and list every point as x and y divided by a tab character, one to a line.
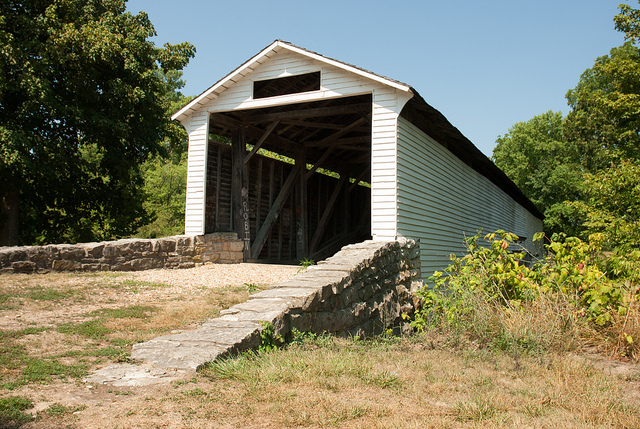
358	291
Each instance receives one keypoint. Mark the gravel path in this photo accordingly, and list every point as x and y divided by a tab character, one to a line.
219	275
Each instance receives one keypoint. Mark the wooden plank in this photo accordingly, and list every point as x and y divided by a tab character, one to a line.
280	231
272	165
336	135
302	226
309	113
274	212
317	236
259	192
360	177
240	190
266	134
319	162
218	179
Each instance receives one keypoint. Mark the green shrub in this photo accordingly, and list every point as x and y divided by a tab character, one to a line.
494	297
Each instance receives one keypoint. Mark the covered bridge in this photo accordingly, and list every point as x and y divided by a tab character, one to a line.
301	154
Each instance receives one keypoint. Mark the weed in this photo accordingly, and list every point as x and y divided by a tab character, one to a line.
7	301
305	263
91	329
195	392
269	340
135	311
58	410
135	284
39	293
120	392
12	411
184	382
478	409
5	335
384	380
252	287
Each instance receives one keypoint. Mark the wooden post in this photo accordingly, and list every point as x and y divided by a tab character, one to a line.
274	212
240	190
320	230
218	179
346	220
302	234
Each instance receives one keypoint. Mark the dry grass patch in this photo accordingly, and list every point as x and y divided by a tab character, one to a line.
316	382
55	326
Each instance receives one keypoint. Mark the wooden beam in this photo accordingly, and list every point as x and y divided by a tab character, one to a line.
346	141
274	212
259	192
317	236
240	190
255	132
336	135
319	162
309	113
302	224
360	177
218	179
266	134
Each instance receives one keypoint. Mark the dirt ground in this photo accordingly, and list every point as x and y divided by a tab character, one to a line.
38	305
54	324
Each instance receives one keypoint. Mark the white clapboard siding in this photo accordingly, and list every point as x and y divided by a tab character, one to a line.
387	104
196	173
335	83
236	93
441	200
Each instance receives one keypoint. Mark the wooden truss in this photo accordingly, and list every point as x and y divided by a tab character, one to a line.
311	140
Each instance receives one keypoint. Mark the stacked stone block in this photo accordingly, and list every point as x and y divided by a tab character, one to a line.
362	290
132	254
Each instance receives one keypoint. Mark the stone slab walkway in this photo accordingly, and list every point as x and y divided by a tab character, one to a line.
360	287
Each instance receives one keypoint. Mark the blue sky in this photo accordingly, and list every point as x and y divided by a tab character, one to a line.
485	65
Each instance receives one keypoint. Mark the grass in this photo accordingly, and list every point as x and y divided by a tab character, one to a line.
317	381
47	349
12	411
398	382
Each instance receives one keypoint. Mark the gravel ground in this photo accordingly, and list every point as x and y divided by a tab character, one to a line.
219	275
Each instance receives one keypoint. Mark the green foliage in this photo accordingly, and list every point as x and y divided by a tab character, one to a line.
305	263
83	101
602	127
611	203
535	155
12	410
489	290
581	171
165	185
269	340
252	287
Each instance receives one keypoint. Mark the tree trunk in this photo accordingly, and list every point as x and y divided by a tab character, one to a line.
9	218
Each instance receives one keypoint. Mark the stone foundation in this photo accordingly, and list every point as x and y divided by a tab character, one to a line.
133	254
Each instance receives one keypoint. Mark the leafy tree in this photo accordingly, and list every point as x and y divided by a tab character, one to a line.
581	171
611	204
604	123
83	96
165	183
535	155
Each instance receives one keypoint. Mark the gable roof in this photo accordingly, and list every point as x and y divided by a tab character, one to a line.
419	112
273	48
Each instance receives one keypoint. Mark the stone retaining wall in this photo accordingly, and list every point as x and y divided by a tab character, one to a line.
362	290
132	254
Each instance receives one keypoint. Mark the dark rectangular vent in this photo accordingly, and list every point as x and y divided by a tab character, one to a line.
286	85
